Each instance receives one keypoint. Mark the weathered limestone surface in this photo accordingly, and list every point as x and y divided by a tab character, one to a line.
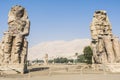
14	46
106	47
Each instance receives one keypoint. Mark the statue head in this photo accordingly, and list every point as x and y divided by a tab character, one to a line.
100	15
17	12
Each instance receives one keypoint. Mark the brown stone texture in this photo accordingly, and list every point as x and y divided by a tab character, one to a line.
14	45
105	46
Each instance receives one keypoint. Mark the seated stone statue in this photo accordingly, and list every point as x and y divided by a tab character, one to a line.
105	46
14	43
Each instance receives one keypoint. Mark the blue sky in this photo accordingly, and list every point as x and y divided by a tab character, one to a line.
61	19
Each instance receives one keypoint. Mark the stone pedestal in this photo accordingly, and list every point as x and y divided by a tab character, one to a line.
115	67
13	69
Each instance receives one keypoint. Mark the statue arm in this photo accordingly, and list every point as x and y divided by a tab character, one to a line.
27	28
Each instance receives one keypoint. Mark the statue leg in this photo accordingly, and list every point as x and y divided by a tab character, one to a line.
116	47
94	49
7	47
109	49
23	55
18	48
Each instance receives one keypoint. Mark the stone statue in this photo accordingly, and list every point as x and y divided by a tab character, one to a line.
46	59
106	47
14	45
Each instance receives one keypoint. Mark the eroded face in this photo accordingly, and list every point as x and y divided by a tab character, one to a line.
18	11
101	16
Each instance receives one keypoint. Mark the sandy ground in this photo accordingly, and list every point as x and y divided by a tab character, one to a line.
60	72
69	77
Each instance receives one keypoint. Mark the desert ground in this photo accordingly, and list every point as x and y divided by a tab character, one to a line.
62	72
69	77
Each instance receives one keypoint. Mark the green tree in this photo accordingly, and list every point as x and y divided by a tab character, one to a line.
50	61
61	60
88	54
37	61
70	60
76	54
81	58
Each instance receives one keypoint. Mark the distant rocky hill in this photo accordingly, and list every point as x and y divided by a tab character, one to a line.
57	48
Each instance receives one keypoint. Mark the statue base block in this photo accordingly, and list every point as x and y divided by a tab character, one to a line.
13	69
113	67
